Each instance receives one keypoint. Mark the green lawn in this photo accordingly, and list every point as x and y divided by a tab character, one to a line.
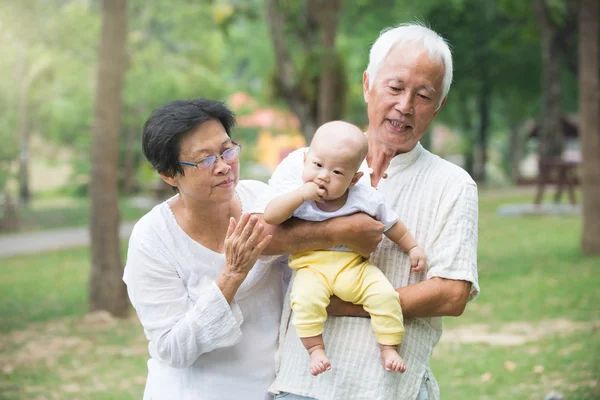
63	212
535	327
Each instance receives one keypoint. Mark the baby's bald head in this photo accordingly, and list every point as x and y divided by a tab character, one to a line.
344	136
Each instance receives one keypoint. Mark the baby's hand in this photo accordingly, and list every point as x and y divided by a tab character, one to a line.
418	259
311	191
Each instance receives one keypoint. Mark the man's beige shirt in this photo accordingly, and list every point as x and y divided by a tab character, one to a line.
437	201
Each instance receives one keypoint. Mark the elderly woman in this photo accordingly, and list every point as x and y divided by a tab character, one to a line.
209	304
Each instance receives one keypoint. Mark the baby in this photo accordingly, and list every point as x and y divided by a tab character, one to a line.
329	190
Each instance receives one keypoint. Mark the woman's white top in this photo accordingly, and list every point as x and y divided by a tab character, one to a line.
200	346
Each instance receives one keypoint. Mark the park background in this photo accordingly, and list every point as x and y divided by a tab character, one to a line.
79	78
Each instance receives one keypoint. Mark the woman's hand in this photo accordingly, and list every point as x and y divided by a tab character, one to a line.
242	245
360	232
242	248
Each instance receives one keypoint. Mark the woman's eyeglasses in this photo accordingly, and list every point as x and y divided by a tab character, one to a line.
229	156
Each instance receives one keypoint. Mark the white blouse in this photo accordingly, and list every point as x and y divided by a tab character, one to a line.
200	346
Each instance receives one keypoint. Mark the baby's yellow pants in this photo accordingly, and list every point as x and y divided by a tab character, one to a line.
352	278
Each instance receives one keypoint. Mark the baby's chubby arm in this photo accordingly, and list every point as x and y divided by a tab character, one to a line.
282	207
400	235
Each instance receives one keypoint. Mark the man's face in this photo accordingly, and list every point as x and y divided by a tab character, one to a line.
403	97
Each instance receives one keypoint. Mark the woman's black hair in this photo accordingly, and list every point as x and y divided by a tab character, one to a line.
167	124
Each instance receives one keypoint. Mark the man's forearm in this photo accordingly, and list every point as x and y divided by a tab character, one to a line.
435	297
294	236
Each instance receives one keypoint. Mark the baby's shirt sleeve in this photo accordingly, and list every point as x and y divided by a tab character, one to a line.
383	213
288	174
255	195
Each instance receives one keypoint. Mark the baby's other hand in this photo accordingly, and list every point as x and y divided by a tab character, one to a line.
418	259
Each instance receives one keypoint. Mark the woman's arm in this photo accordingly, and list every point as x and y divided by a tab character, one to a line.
181	329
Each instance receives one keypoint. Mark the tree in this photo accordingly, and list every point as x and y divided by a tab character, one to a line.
589	106
311	79
555	19
107	290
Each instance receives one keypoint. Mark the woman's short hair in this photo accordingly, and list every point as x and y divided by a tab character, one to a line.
167	124
413	32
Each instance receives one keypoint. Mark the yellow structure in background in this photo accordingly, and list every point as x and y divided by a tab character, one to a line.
279	129
272	148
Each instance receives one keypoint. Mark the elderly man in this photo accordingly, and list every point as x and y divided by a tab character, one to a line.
405	85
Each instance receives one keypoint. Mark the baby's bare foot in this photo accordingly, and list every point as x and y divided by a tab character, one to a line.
319	362
392	361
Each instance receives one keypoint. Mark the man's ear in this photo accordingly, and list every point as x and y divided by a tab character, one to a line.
356	178
366	87
441	105
168	179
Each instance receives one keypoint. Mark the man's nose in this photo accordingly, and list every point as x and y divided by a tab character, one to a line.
405	103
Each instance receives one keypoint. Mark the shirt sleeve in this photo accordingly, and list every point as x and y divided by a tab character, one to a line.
179	330
255	195
385	214
288	174
454	247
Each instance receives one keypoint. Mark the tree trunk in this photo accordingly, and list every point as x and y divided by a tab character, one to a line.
24	194
313	91
129	160
107	290
467	136
550	133
327	13
589	104
482	132
515	152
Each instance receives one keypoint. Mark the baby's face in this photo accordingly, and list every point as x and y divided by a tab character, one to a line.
331	166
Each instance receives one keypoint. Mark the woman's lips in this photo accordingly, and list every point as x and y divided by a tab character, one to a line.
226	183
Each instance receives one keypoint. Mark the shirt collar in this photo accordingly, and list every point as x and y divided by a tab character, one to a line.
404	160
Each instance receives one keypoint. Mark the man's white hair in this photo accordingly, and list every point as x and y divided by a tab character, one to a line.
413	32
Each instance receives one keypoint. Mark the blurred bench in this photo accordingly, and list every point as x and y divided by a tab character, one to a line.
557	172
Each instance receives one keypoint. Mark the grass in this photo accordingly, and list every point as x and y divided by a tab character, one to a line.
536	287
54	213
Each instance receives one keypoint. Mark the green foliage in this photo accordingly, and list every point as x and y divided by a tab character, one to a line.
181	49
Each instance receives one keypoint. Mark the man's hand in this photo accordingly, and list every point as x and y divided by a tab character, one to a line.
359	232
310	191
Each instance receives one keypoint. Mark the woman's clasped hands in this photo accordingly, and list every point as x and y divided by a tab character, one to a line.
243	244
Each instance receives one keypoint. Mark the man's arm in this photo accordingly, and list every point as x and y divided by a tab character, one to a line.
435	297
359	232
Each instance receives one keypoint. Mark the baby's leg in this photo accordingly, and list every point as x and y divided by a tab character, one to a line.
319	362
390	358
309	299
380	299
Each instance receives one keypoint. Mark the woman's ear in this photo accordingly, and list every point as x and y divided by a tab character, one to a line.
168	179
356	178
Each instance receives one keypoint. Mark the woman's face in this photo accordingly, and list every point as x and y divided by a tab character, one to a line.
215	184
